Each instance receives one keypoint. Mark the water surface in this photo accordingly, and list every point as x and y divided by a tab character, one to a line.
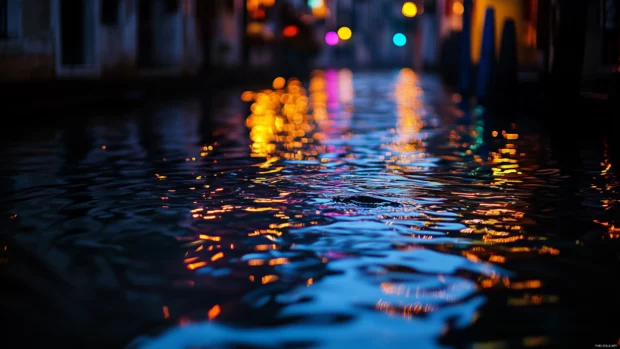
352	210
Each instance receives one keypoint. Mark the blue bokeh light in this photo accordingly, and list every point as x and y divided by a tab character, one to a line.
399	39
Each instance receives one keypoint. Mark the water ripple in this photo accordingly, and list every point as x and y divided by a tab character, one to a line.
364	210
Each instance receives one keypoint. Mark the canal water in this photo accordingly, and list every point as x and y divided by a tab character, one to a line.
363	210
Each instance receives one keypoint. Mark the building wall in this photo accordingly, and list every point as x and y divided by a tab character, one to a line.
168	35
118	46
130	34
28	52
34	47
513	9
192	57
430	39
91	41
228	28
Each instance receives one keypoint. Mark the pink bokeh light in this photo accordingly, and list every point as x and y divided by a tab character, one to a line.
331	38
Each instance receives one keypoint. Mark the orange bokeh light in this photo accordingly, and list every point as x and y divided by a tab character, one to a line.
214	312
458	8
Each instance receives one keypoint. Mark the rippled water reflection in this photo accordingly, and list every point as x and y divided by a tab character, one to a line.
361	209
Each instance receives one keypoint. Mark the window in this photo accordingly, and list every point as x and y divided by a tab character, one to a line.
109	12
3	18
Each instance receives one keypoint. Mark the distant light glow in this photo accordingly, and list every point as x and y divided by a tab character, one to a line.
259	14
255	28
320	12
290	31
252	5
399	39
345	33
331	38
410	9
458	8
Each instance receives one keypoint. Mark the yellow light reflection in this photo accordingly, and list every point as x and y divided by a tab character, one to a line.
269	279
217	256
208	237
408	145
194	266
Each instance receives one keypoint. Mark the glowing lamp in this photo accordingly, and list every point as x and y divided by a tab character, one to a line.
410	9
331	38
399	39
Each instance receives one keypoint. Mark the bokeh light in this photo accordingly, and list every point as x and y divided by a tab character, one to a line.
290	31
345	33
278	83
319	8
458	8
255	28
331	38
399	39
410	9
315	3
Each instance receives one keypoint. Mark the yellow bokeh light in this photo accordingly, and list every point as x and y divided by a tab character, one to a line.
410	9
458	8
268	3
345	33
278	83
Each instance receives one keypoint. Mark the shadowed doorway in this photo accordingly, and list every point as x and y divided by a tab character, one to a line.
72	13
145	33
